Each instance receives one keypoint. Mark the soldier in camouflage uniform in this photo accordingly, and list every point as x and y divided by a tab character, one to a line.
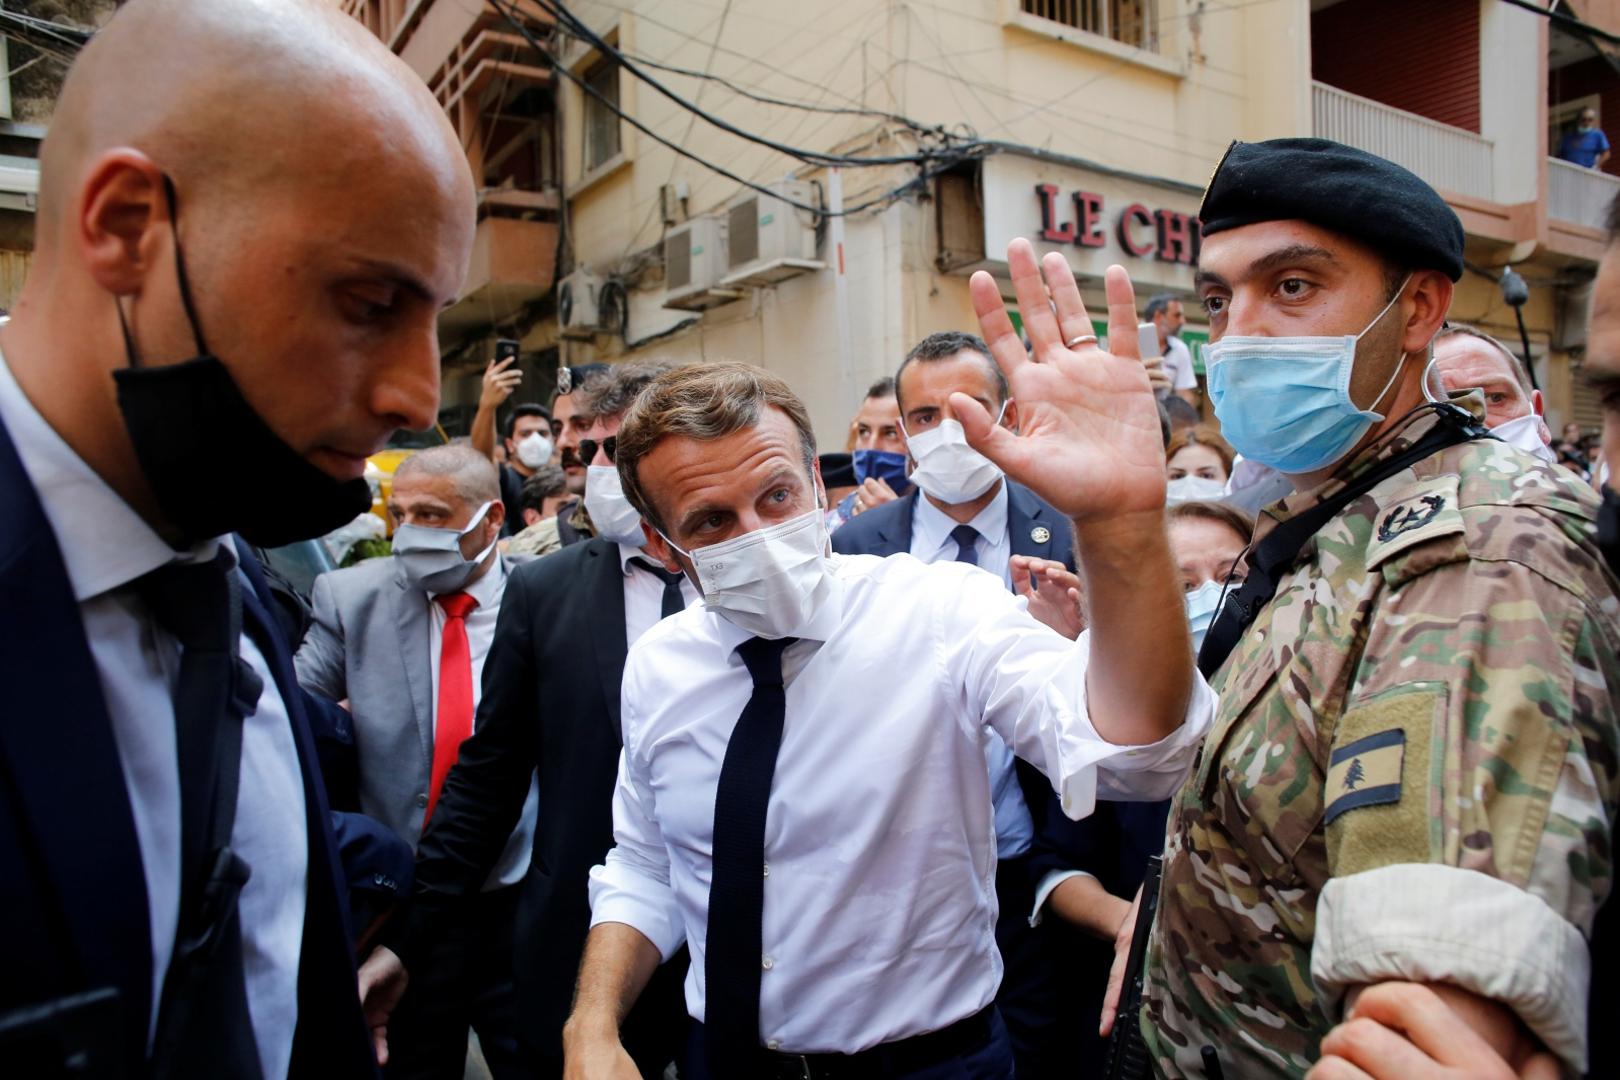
1413	773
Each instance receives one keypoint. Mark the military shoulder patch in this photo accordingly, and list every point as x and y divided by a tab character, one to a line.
1423	512
1366	772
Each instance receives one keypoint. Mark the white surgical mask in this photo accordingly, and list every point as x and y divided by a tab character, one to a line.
1191	487
947	467
1524	432
615	519
534	450
768	582
431	557
1202	604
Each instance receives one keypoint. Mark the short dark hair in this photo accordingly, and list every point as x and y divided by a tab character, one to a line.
703	402
546	481
1159	303
945	344
1181	413
884	387
526	409
614	389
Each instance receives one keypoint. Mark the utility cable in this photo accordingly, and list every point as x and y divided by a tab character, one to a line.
948	160
809	157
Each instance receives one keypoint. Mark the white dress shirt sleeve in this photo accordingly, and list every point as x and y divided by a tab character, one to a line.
632	884
1029	684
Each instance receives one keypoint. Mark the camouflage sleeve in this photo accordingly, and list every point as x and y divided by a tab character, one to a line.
1471	778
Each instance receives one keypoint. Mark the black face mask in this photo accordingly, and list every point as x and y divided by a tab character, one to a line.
1609	529
181	417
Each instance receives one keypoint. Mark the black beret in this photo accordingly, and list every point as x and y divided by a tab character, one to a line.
1337	187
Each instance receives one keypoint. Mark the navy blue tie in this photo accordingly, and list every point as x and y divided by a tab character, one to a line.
735	956
674	601
966	536
204	1027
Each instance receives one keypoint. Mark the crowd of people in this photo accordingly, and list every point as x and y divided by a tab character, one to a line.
1057	725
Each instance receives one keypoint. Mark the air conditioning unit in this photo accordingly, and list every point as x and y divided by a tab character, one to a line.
694	259
579	309
770	239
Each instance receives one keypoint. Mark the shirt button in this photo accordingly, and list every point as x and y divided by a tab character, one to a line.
773	1045
767	869
421	800
767	962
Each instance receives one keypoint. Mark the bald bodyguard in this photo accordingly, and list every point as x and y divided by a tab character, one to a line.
250	214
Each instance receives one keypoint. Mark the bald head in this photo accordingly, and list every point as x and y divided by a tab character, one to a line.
470	473
322	214
227	95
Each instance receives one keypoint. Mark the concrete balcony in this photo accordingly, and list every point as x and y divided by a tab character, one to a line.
1455	161
1578	196
514	264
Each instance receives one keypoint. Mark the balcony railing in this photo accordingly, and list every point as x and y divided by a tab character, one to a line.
1450	158
1577	195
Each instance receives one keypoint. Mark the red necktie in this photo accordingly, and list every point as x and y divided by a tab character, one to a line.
455	715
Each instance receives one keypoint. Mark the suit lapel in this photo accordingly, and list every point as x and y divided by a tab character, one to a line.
605	613
330	1027
894	536
1026	520
58	754
415	643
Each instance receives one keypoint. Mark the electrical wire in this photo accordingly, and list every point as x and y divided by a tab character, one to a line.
809	157
947	161
784	103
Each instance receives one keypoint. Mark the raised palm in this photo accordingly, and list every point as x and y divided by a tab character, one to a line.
1089	440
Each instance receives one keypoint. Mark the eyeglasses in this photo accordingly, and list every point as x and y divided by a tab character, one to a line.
588	447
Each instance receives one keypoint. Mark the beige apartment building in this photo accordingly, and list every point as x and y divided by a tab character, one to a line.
944	129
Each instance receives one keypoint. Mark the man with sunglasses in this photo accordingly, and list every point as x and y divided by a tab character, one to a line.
551	703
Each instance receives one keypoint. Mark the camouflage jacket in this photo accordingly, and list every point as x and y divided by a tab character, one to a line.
1412	773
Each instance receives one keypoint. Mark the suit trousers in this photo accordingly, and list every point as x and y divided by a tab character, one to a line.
1027	997
463	981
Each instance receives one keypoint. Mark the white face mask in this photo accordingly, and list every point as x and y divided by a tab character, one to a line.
1193	487
534	450
1524	432
768	582
1202	604
947	467
431	557
615	519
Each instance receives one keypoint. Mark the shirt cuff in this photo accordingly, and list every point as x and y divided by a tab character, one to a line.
1047	887
1145	773
620	895
1429	923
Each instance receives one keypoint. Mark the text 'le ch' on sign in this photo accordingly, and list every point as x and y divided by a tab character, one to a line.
1166	235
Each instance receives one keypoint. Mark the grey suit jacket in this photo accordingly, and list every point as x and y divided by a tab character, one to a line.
369	643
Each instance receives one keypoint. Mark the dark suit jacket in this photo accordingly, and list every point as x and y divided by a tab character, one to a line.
886	529
72	885
550	702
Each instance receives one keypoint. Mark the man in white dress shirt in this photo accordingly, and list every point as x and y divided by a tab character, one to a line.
249	216
833	875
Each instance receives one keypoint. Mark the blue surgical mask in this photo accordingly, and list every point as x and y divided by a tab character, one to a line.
885	465
1285	401
1202	603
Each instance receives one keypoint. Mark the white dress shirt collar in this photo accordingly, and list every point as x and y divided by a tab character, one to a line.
931	527
631	551
486	590
105	544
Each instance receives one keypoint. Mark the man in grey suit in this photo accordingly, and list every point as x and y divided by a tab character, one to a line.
404	640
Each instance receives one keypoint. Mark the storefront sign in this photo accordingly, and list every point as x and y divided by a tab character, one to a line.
1094	218
1161	233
